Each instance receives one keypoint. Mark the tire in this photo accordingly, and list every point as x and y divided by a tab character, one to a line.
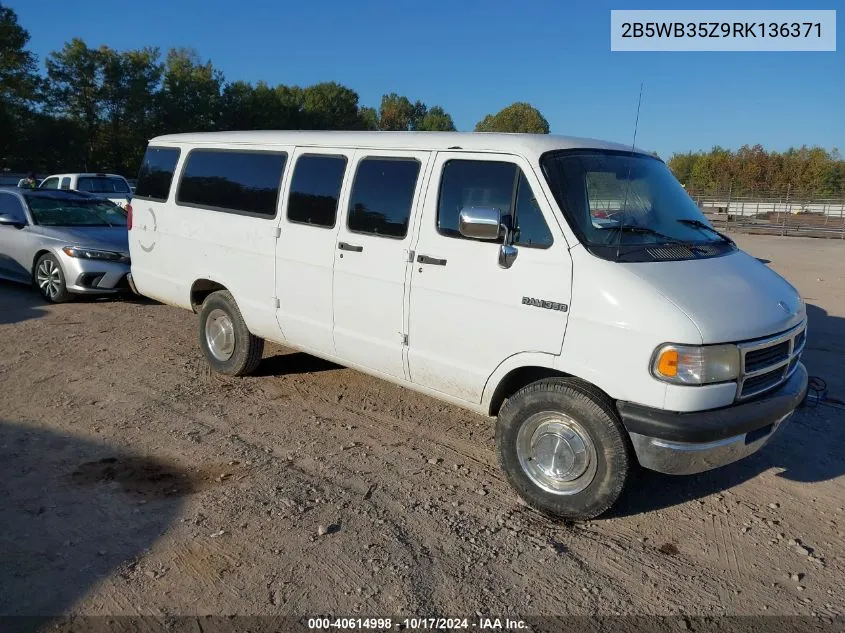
224	338
49	278
595	464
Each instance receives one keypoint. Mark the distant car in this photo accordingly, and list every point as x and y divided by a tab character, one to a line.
109	186
132	184
65	242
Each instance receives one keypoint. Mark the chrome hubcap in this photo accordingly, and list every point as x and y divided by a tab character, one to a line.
49	278
220	334
556	453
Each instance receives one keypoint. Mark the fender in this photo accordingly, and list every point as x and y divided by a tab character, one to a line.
516	361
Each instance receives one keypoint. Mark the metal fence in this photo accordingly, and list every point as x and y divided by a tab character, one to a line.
775	213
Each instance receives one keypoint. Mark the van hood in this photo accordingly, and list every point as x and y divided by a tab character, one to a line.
107	238
730	298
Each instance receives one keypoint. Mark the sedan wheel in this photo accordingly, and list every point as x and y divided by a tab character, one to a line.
51	280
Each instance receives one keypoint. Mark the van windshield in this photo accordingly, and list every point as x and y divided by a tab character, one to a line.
625	207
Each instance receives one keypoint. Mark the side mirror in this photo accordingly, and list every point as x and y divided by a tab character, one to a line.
480	223
483	223
8	220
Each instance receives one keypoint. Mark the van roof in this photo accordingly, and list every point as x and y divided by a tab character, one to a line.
475	141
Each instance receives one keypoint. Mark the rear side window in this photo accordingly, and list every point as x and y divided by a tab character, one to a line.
156	173
232	181
382	196
315	190
65	183
496	184
99	184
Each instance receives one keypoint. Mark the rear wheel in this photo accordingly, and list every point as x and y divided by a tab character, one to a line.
50	279
563	448
224	337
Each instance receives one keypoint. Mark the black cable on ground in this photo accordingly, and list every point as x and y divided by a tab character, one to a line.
816	391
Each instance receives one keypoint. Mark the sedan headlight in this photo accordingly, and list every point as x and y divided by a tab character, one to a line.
695	365
90	253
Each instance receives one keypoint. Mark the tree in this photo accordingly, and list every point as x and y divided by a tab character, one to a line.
436	120
330	106
517	117
129	79
397	113
19	86
189	99
802	172
75	90
368	118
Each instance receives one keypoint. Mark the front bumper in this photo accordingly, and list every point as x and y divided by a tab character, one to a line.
90	276
687	443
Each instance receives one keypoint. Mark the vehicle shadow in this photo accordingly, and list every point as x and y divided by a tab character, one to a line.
293	363
807	449
19	303
73	512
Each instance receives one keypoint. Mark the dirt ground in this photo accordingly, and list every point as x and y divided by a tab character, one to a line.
134	481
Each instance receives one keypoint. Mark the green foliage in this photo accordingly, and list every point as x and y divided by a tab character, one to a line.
18	78
436	120
97	107
19	86
810	171
517	117
398	113
190	93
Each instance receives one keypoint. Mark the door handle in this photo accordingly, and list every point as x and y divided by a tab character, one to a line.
434	261
344	246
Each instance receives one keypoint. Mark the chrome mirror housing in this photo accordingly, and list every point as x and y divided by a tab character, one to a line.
480	223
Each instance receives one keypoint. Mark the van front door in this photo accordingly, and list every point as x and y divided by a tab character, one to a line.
468	314
372	259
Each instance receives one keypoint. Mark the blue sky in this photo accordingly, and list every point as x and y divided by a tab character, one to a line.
474	57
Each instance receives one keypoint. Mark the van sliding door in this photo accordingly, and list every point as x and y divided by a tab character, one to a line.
372	258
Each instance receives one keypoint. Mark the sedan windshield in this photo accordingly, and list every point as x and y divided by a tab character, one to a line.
48	211
623	206
102	184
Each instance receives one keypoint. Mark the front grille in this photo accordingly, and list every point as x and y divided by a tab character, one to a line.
769	362
760	358
761	382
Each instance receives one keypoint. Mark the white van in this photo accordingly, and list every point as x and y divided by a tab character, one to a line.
569	287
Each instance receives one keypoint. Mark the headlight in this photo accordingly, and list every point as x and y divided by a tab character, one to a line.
695	365
90	253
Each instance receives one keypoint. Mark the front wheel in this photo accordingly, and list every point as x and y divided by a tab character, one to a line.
50	279
224	337
563	448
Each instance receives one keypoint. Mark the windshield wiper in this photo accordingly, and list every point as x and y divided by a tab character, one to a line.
703	225
636	228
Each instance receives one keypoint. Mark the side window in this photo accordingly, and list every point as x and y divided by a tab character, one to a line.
11	206
156	173
315	189
50	183
65	183
232	181
497	184
532	230
382	196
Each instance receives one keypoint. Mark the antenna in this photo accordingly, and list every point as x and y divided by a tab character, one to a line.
637	120
628	176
